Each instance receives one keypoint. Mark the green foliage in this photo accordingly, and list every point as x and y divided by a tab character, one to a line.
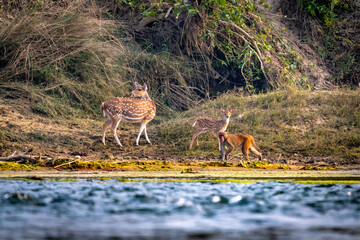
227	40
325	10
336	37
35	136
12	6
153	10
12	166
188	170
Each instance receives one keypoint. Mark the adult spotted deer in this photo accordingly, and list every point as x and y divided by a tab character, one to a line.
128	110
206	124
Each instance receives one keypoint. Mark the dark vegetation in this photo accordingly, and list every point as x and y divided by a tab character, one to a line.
263	58
332	28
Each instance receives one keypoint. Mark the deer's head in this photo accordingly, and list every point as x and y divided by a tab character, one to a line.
227	113
140	91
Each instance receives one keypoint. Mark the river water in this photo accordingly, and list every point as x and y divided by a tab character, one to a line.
94	209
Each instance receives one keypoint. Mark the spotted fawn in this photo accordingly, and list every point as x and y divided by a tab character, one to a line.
206	124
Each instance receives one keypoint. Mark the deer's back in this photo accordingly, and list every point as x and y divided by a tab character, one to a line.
209	123
130	109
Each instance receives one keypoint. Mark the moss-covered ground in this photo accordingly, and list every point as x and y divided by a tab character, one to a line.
207	174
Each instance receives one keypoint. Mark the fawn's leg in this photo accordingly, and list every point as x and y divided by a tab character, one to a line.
114	126
219	145
195	137
105	126
218	139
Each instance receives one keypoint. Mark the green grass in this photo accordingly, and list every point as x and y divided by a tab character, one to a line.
35	136
11	166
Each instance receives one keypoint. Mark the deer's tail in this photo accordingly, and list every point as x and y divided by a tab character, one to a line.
195	121
102	110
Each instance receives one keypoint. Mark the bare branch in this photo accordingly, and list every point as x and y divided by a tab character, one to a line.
15	157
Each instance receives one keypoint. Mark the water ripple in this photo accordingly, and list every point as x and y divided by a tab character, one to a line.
90	209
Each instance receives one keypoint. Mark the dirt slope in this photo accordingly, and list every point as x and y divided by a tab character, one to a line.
21	129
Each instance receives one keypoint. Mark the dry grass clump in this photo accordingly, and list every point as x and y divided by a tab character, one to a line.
59	58
67	59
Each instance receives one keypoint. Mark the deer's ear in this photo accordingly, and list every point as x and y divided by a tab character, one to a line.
222	110
145	87
137	85
232	110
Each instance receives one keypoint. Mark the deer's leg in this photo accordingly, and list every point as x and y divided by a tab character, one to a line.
146	136
218	139
142	127
195	137
216	135
105	126
114	126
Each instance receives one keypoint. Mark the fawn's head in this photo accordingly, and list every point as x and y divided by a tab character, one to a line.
140	91
227	113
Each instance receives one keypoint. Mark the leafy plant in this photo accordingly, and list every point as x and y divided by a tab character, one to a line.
325	10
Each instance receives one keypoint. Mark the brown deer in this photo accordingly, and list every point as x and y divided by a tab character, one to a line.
128	110
205	124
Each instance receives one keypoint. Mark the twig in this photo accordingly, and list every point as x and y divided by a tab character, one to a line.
15	157
76	160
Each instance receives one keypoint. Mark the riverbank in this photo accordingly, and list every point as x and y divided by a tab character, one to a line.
308	129
202	175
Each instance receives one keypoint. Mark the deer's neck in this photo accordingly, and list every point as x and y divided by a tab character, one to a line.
225	122
146	97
